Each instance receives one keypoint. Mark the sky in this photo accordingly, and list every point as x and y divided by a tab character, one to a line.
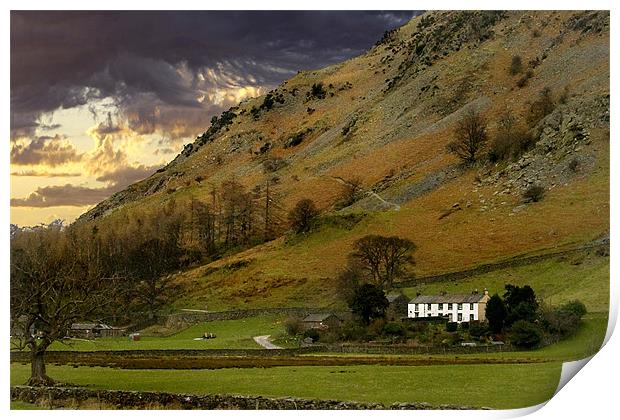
102	99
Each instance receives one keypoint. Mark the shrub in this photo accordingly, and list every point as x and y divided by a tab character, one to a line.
317	91
293	326
369	303
564	95
573	165
302	216
496	313
352	331
273	164
575	307
297	138
516	65
312	333
451	326
478	329
559	322
522	82
375	328
534	194
542	107
510	144
329	336
268	102
525	334
465	325
393	328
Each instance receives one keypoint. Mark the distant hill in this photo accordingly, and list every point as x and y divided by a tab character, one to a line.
384	119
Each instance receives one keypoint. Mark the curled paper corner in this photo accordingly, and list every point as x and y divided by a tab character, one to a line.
569	370
518	412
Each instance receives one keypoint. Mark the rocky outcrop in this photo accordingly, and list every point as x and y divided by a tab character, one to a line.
560	152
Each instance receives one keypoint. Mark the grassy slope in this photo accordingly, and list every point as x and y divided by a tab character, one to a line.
404	132
498	386
582	276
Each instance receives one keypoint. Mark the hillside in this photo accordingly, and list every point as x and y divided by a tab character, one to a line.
386	118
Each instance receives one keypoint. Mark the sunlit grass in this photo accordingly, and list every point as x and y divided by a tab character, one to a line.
498	386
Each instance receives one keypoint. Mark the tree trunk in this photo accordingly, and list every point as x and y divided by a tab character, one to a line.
38	376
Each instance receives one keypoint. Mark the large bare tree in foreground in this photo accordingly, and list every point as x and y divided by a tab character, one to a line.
56	280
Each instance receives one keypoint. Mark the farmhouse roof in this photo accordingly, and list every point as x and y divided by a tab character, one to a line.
391	297
318	317
465	298
78	326
90	326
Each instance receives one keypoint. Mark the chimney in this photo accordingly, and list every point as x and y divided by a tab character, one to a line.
475	292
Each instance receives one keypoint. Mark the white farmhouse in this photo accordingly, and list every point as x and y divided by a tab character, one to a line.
457	308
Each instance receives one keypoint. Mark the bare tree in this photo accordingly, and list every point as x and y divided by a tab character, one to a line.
384	257
470	137
55	281
267	199
151	252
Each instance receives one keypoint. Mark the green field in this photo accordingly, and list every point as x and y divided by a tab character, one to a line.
559	280
20	405
498	386
230	335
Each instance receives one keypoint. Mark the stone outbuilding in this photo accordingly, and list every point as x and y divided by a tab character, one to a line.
398	305
323	321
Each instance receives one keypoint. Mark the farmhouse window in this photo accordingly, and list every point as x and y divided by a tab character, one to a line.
471	306
471	317
449	306
460	306
441	306
428	306
460	317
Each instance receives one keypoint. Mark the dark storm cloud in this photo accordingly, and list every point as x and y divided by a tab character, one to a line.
44	150
150	61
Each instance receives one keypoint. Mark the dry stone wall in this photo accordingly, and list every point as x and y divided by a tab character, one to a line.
74	397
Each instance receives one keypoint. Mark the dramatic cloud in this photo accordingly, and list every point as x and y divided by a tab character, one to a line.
44	150
46	174
158	77
73	195
127	175
65	195
158	66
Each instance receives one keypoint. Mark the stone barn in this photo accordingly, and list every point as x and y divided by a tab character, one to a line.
94	330
321	321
